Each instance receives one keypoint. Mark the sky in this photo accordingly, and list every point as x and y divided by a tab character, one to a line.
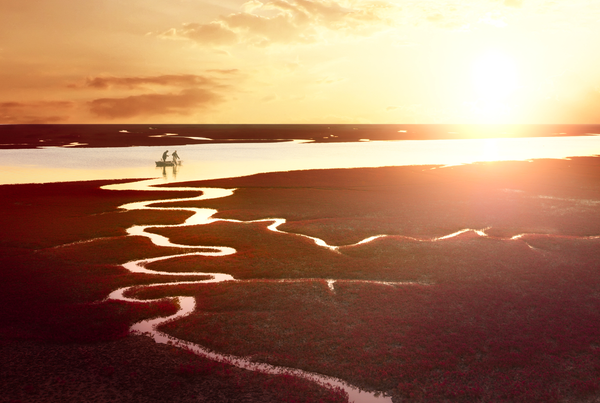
299	61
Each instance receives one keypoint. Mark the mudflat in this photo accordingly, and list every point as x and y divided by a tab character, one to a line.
129	135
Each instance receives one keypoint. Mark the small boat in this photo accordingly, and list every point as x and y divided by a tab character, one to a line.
167	163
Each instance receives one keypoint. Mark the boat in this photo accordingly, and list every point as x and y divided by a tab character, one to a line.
167	163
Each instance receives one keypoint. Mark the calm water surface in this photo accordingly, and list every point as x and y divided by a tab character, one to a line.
210	161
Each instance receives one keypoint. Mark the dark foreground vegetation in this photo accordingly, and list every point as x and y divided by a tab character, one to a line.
509	314
59	343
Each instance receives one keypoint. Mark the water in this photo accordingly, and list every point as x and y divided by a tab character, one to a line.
211	161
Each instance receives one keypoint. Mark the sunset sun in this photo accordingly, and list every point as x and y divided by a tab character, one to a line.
494	79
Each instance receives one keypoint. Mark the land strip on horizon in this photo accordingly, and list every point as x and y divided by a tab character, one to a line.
129	135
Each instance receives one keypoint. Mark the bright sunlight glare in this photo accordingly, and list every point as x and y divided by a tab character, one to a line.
494	78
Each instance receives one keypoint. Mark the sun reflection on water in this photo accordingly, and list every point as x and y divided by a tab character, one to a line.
212	161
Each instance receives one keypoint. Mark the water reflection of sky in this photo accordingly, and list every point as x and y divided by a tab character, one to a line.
209	161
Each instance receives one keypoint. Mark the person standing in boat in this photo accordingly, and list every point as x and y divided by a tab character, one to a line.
175	157
165	155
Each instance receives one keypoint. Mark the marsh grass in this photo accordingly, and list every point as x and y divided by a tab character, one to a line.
344	206
490	319
51	294
497	319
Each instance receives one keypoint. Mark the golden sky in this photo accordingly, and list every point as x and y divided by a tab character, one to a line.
300	61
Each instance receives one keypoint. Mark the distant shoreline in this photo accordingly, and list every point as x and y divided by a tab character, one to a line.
29	136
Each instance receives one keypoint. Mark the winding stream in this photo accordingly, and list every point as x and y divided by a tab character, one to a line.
188	304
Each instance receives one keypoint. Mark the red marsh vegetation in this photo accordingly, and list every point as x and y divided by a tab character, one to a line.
45	293
58	342
490	318
496	319
346	206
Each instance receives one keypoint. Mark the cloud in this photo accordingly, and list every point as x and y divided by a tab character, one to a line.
214	33
330	80
26	119
182	80
173	94
513	3
269	98
465	16
491	19
43	112
224	71
286	22
435	17
185	102
37	104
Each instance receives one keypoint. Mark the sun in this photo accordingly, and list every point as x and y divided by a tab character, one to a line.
494	78
494	75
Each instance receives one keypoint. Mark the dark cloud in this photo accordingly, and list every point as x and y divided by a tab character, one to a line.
181	81
7	105
224	71
180	94
183	103
43	112
36	104
10	119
